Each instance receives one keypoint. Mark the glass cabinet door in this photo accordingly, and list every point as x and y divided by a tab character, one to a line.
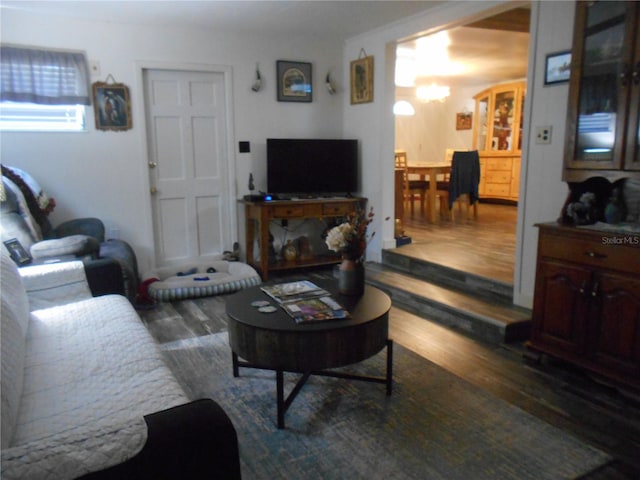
482	118
502	131
599	96
632	155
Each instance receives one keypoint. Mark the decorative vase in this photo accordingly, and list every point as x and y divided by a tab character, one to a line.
289	251
351	277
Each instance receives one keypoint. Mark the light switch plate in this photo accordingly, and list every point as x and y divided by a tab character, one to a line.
543	135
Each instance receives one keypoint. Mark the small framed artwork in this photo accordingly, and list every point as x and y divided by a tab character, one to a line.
464	121
111	106
294	81
362	80
558	68
17	252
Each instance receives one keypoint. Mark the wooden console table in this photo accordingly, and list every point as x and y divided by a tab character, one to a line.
258	217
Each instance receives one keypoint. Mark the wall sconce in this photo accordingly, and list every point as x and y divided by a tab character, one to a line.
258	83
330	86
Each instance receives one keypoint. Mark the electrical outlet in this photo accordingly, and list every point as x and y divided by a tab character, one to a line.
543	135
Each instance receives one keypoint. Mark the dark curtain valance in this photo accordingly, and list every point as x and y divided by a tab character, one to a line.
46	77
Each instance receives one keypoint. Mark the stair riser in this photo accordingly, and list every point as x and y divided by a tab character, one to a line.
453	318
449	277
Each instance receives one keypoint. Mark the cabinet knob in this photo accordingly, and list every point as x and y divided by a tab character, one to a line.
636	74
594	292
153	164
153	190
583	287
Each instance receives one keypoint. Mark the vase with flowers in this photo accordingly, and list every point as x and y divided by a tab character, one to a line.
350	240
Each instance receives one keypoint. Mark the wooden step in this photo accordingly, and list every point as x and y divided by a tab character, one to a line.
433	272
487	317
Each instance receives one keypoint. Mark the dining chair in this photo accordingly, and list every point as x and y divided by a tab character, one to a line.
412	189
464	181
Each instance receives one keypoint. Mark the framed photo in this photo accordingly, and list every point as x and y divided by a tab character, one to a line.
112	106
464	120
558	68
294	81
17	252
362	80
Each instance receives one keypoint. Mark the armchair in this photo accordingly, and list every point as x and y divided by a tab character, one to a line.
25	208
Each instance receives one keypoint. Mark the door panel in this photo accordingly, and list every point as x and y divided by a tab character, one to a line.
188	174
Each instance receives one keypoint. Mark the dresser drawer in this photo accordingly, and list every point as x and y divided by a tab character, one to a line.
337	209
501	176
499	164
287	211
613	251
497	189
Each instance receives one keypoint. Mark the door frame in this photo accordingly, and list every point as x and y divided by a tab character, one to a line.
141	120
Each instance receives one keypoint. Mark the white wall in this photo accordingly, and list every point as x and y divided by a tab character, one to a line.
104	174
543	191
426	135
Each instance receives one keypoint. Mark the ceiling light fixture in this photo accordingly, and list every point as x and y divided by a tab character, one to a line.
402	107
433	93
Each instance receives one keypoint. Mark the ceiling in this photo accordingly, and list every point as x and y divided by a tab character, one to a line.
491	49
338	19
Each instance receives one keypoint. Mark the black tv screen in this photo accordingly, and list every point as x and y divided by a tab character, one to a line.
312	166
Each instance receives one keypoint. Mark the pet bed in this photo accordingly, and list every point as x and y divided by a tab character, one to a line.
192	281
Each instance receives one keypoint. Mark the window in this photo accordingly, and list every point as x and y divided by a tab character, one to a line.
45	118
43	90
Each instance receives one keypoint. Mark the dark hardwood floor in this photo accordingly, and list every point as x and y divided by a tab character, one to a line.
557	393
485	246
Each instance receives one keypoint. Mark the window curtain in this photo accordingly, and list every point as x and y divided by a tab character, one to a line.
45	77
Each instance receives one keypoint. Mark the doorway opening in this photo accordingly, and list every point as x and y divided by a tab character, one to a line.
455	81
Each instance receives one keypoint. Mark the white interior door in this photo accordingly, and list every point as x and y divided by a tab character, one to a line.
188	165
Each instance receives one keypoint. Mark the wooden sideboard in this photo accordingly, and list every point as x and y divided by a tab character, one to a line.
258	218
587	300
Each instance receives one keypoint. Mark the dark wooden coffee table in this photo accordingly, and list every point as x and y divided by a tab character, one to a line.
273	341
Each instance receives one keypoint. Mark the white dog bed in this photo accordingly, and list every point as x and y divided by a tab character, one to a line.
191	281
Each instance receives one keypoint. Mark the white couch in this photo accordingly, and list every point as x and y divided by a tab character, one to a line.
80	376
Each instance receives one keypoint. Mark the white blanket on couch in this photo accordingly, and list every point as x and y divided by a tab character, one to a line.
92	371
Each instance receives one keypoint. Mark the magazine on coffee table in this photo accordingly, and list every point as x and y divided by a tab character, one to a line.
293	291
306	302
311	310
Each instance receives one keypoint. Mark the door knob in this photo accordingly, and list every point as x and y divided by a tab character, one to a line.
153	164
153	190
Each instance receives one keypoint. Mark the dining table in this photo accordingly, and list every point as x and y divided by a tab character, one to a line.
430	171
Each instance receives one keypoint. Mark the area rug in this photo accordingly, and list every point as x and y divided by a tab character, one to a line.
434	426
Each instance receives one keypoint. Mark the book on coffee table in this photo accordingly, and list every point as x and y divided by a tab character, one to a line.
305	302
311	310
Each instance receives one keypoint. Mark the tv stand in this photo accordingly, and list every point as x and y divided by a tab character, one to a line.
258	217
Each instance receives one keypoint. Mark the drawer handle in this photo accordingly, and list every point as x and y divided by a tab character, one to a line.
583	288
595	255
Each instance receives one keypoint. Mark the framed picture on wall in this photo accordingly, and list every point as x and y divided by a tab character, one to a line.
464	121
111	106
558	68
362	80
294	81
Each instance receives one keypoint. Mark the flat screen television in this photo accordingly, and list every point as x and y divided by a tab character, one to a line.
312	167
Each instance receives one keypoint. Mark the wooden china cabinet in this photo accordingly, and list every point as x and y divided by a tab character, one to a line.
497	136
587	293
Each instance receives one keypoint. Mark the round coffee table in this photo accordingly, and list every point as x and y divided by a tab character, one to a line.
274	341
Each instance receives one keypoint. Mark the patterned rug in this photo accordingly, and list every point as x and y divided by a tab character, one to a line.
434	426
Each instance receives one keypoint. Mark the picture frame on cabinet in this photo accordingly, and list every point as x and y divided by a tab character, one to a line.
17	252
294	81
557	68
